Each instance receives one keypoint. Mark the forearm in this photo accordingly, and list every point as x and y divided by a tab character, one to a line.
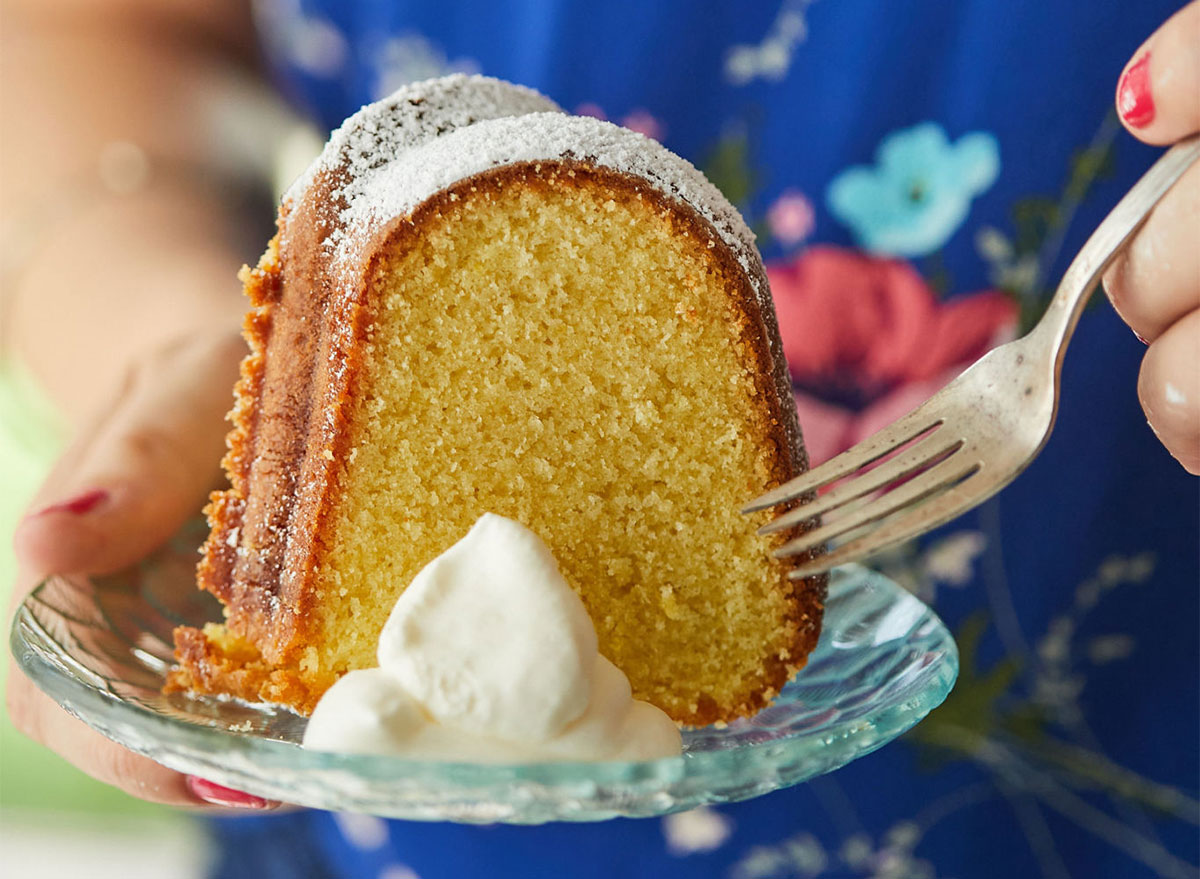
124	217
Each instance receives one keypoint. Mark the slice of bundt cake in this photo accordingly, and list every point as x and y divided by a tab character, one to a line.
476	303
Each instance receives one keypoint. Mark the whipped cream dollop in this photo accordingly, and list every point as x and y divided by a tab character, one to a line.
490	656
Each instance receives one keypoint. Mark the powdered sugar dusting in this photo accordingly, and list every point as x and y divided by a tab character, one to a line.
402	150
395	154
395	189
381	132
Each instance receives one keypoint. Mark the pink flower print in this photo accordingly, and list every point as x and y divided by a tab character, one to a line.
791	218
866	340
639	120
642	122
588	108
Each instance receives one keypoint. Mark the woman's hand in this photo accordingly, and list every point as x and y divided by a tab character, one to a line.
1155	283
126	485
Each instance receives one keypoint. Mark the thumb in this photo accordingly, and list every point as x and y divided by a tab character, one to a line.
127	484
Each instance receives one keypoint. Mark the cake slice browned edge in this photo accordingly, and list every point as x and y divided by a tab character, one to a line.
229	662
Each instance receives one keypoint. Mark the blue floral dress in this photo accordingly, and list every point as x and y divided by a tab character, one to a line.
918	172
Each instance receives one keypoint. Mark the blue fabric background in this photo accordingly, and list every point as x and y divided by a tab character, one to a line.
1039	76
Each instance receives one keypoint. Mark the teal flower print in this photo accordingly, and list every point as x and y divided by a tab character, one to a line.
919	191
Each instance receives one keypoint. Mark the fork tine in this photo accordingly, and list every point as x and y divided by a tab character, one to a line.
942	475
871	449
927	450
925	518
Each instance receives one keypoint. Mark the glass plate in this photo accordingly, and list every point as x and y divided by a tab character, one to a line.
101	648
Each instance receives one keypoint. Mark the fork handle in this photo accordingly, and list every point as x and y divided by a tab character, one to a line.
1106	242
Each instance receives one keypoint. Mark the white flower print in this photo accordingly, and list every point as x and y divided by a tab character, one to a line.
698	830
771	58
411	57
362	831
398	871
797	856
951	560
309	43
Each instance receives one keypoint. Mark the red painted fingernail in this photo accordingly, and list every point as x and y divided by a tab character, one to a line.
78	505
219	795
1134	101
1138	336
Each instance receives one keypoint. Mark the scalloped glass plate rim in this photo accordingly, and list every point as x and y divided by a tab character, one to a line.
87	701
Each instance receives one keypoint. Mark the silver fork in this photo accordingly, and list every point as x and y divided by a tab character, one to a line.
973	437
